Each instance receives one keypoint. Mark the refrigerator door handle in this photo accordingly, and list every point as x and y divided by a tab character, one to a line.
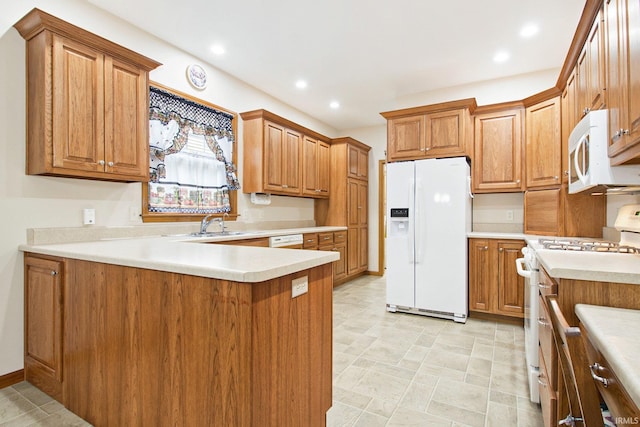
469	187
412	222
419	239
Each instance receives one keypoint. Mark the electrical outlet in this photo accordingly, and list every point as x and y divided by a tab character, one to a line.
89	216
299	286
509	215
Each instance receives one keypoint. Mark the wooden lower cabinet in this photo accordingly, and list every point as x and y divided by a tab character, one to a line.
494	284
337	242
569	293
43	344
144	347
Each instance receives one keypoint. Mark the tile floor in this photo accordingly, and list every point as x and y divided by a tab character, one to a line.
390	369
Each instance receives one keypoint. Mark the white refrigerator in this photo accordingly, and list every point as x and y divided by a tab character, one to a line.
428	218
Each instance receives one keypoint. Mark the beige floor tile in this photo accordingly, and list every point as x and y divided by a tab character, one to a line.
13	406
381	386
405	417
351	398
367	419
501	415
341	415
461	395
418	396
381	407
454	413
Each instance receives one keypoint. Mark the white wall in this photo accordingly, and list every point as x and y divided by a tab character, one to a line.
39	202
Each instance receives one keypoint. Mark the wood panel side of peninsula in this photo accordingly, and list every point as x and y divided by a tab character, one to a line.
144	347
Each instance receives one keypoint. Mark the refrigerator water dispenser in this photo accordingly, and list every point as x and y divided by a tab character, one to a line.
399	224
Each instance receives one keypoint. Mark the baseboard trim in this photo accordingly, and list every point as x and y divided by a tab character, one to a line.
375	273
11	378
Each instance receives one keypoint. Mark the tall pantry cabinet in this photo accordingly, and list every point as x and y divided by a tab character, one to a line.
347	205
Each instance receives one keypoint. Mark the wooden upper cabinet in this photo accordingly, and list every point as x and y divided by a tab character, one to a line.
590	71
284	158
497	160
406	138
567	122
358	162
315	167
439	130
543	150
623	74
98	93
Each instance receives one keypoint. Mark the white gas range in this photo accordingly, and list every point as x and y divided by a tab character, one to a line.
581	259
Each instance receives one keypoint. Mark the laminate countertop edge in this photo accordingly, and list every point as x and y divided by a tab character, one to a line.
193	256
614	331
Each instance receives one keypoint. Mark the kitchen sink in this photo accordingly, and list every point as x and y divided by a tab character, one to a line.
209	234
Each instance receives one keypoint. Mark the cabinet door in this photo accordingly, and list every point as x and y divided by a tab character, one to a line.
291	162
273	153
497	162
406	138
282	159
543	212
78	105
543	150
480	276
324	168
353	250
595	44
623	65
340	266
353	203
126	120
43	324
445	133
363	198
568	122
310	150
363	249
510	284
582	81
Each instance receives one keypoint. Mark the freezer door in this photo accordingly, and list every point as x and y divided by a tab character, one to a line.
442	219
399	241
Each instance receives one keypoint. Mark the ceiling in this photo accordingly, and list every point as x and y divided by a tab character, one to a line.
365	54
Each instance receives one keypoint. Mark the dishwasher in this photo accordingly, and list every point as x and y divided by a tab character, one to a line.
290	241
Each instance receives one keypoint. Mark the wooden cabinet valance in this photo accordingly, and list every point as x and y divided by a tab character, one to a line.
98	93
284	158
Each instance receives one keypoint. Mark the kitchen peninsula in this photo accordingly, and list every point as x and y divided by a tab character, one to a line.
176	331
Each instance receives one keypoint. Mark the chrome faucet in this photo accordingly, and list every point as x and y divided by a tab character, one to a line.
204	224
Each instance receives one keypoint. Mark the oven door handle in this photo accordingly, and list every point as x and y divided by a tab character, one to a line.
520	267
579	152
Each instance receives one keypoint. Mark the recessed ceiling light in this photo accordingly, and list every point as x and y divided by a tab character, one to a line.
501	56
334	104
529	30
301	84
218	49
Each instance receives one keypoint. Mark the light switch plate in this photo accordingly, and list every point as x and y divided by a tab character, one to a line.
89	216
299	286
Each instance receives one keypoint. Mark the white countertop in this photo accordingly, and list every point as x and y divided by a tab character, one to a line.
615	333
594	266
495	235
195	256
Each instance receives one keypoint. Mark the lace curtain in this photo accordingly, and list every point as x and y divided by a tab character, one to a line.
191	150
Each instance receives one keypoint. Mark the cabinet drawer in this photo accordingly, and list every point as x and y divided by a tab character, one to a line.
310	241
618	400
548	395
325	238
339	236
547	346
546	284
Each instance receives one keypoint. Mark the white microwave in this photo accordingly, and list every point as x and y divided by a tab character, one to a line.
589	166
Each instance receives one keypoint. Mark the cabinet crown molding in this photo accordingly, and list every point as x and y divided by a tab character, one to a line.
349	140
469	103
267	115
36	21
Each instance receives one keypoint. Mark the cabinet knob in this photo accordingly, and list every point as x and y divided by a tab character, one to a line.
501	250
428	148
555	177
485	248
54	273
110	164
542	321
285	186
101	162
517	181
566	173
625	131
543	286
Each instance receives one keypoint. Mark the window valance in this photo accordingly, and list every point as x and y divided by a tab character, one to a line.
191	156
